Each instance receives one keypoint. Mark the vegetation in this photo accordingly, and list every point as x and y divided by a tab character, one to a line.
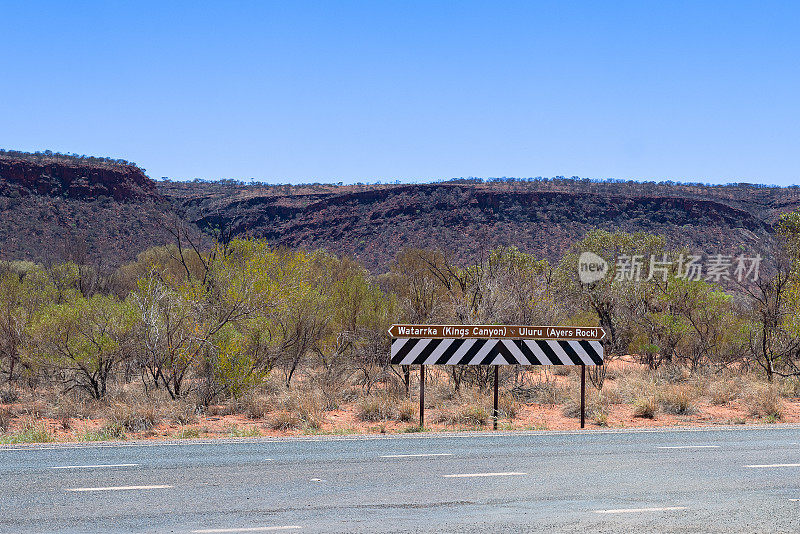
238	323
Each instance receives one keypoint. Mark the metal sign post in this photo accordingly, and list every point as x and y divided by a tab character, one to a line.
583	396
496	413
496	345
422	396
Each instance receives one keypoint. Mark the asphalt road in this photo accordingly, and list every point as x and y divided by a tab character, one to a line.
716	480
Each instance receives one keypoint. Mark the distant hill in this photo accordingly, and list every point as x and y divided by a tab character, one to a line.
55	207
372	222
91	210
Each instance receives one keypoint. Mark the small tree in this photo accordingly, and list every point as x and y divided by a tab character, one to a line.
83	339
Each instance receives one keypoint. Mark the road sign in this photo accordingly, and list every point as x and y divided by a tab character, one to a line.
495	332
439	351
496	345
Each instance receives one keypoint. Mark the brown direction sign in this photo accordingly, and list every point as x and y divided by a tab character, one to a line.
495	332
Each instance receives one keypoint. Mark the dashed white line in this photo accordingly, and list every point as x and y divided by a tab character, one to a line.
120	488
757	466
469	475
246	529
415	455
96	466
638	510
689	447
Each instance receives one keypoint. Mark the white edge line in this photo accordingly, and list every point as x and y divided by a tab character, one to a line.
97	466
689	447
246	529
469	475
121	488
637	510
416	455
756	466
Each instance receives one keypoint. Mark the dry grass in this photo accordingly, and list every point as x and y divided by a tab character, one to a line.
31	431
645	407
723	391
597	406
678	399
5	419
470	415
378	408
764	401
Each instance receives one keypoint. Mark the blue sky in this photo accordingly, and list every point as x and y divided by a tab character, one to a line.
366	91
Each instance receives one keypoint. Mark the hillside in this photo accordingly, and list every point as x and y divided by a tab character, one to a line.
544	217
90	210
57	207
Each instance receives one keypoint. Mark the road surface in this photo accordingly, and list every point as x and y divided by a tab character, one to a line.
740	479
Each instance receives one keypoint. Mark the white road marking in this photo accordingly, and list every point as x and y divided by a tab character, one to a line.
120	488
415	455
246	529
689	447
96	466
467	475
772	465
638	510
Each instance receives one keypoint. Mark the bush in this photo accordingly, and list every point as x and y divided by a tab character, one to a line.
764	401
596	406
471	415
5	419
406	411
645	407
31	432
678	400
285	421
254	407
723	391
507	407
541	393
246	432
561	370
376	408
110	431
188	433
9	396
135	418
790	387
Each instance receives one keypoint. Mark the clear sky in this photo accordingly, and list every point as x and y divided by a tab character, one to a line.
364	91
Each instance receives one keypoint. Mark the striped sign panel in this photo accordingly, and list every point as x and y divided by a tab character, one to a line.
496	352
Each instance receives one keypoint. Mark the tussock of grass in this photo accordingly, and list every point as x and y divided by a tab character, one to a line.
188	433
764	401
377	408
31	432
111	431
235	431
645	407
678	399
284	420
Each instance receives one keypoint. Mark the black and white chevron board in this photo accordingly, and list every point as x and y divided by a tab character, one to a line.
471	351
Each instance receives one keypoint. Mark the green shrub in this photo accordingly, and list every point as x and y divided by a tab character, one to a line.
188	433
31	432
112	430
234	431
